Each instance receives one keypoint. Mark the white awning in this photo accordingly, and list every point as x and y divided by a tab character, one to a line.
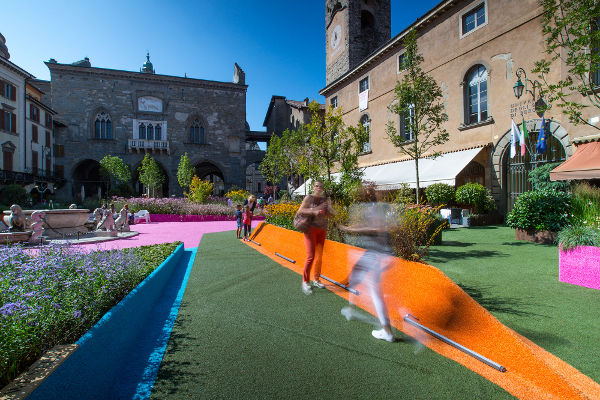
443	169
304	189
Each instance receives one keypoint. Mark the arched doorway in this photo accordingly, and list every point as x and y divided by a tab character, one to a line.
87	180
515	171
210	172
255	181
139	188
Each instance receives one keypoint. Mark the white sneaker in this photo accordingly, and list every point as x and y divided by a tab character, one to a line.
383	335
306	288
318	284
347	312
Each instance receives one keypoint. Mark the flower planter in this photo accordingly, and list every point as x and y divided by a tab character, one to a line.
531	235
485	219
195	218
580	266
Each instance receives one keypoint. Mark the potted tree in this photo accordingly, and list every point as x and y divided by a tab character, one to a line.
481	201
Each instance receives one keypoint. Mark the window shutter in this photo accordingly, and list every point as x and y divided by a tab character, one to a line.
13	93
14	123
1	119
2	84
31	111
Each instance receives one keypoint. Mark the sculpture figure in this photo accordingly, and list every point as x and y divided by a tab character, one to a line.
122	222
17	220
38	227
107	223
97	216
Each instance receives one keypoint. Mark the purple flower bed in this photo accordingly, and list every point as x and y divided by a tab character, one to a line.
54	295
178	206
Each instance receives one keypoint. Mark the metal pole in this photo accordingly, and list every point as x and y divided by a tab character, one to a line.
454	344
289	259
348	288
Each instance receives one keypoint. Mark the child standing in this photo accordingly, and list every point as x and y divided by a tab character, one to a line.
238	217
247	222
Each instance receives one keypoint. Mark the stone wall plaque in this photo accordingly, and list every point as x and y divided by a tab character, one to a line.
150	103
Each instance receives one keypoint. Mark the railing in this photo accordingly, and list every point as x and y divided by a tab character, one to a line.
148	144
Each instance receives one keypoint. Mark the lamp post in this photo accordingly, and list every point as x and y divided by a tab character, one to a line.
46	152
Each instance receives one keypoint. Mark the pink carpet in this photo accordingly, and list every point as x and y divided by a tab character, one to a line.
189	233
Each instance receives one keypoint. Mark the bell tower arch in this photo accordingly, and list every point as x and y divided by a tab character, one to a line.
353	30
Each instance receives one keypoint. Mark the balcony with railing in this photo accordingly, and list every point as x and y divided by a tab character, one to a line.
149	146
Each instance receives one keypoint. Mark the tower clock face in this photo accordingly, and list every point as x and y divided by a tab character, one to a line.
336	37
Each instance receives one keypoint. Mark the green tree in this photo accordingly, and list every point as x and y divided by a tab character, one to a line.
199	190
418	103
151	174
572	35
185	172
114	171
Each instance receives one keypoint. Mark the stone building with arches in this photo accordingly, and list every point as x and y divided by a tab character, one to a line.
129	114
473	49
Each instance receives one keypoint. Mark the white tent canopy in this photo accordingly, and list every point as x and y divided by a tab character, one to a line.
443	169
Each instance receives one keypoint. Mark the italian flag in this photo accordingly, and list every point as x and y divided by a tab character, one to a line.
523	138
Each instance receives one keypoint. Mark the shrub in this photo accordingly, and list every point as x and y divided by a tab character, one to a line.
56	294
540	178
476	195
541	210
15	194
122	189
199	190
585	205
413	233
404	195
578	235
281	214
440	193
177	206
237	195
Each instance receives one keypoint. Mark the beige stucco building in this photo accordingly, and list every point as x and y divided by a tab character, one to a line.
473	50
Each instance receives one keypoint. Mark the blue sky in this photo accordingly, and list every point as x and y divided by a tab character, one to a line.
280	45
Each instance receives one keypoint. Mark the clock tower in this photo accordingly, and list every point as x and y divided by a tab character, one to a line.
353	30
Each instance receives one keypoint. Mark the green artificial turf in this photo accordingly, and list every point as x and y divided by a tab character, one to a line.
245	330
517	282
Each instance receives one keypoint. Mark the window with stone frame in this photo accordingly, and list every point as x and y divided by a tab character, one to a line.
8	121
7	90
197	132
363	85
8	151
59	150
473	19
365	121
476	95
142	131
407	122
59	171
102	126
48	120
401	59
158	132
334	102
150	132
34	133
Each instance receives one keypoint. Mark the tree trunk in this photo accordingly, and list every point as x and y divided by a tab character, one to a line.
417	172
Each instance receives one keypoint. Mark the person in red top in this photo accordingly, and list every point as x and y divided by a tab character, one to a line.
247	220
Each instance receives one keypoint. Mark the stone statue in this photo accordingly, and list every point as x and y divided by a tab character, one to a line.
107	223
97	216
38	227
122	222
17	220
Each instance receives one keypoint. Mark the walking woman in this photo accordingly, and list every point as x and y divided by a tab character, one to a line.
315	206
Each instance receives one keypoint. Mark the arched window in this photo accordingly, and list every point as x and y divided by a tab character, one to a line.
142	134
476	95
102	126
150	132
366	123
157	132
197	132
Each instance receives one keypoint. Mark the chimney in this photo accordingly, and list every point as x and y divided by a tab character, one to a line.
306	101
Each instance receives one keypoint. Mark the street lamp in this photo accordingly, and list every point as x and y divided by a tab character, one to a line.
519	86
46	152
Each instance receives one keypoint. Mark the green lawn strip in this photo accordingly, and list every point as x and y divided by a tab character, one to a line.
245	330
518	283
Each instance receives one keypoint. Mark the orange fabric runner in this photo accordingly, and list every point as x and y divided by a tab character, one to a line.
439	304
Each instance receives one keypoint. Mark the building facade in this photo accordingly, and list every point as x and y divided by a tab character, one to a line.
473	49
129	114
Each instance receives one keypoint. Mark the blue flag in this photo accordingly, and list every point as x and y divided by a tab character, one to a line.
541	145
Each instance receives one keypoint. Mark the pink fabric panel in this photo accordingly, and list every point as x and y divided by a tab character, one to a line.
580	266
